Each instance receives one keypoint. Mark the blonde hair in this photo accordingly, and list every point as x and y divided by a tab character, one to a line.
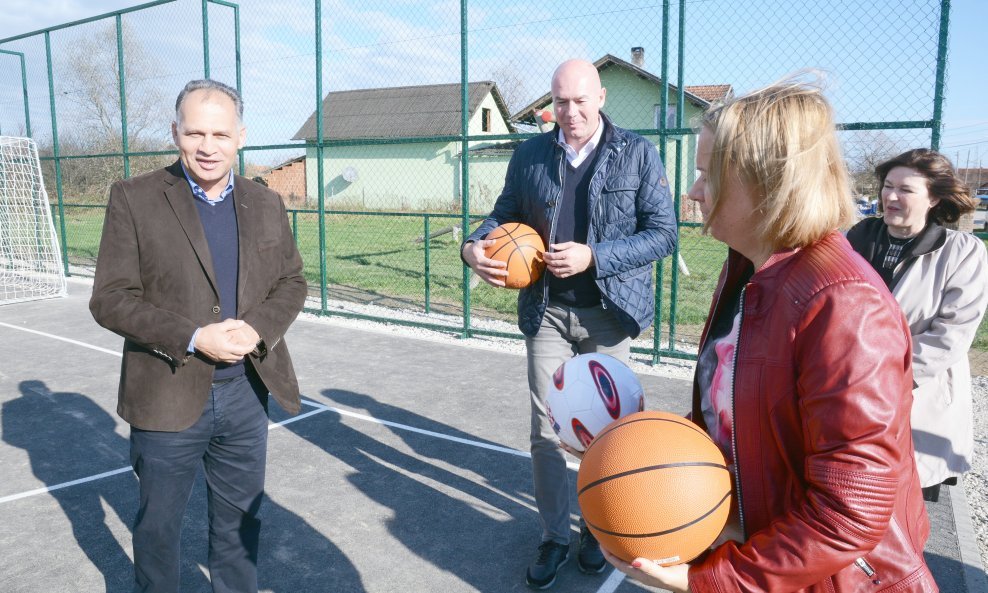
780	141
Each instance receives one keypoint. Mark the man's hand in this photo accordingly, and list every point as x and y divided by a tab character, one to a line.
490	270
245	335
673	578
226	341
568	259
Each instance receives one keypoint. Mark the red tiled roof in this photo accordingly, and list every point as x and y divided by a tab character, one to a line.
709	92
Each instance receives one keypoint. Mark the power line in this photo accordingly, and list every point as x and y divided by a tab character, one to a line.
974	125
965	144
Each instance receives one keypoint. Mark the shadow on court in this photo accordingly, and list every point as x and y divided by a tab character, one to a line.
61	432
460	521
64	433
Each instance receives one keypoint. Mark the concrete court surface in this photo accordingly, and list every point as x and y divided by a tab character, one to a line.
406	471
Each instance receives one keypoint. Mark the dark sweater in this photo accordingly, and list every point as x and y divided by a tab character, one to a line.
219	222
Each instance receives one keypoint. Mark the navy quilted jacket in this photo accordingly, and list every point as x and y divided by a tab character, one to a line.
632	223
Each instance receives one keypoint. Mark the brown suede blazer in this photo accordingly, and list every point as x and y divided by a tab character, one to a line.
155	285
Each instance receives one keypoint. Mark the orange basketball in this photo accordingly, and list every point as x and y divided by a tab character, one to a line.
520	247
653	485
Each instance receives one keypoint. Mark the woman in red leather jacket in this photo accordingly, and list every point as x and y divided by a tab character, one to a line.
803	377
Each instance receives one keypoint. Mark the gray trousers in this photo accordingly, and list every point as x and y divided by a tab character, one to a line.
564	333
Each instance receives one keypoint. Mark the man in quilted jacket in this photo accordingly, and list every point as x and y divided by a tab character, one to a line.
598	196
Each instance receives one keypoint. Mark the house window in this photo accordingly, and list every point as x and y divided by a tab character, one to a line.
485	119
670	116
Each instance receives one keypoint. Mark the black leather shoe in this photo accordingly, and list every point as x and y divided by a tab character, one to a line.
590	559
542	573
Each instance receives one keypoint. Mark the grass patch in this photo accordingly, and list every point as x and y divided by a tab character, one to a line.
379	257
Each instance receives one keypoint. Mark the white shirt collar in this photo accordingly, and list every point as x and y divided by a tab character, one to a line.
575	157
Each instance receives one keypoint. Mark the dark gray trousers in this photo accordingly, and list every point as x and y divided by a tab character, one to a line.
229	441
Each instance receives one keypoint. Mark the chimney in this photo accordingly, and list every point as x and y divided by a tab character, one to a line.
638	57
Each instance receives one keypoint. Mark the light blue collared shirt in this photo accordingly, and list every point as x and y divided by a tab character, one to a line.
200	193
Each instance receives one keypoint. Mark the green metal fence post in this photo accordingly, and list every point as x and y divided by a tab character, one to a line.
465	158
205	38
124	144
236	38
426	233
27	109
320	165
677	185
663	107
941	75
674	282
236	44
55	153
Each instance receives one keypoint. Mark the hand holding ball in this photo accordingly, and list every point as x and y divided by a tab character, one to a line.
653	485
520	247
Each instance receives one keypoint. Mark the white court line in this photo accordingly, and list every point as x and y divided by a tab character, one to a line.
121	470
54	337
613	580
319	409
421	431
64	484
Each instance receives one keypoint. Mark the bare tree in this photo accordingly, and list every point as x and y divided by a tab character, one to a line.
90	82
866	150
89	116
510	84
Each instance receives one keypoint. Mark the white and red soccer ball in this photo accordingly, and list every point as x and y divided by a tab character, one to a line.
588	392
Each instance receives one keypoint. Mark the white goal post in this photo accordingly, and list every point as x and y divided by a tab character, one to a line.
30	262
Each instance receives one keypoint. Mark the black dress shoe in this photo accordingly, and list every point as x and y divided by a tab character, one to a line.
590	559
542	573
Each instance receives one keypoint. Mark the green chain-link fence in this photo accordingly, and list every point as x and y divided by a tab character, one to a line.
387	126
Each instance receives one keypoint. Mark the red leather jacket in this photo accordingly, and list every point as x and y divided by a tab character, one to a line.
829	496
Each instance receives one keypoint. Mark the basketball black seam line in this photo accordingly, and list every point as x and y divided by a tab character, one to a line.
514	241
684	422
649	468
520	249
667	531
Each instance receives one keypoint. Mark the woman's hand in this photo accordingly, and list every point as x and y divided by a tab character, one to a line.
571	450
674	578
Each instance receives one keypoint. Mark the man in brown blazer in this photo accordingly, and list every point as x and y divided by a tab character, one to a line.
199	272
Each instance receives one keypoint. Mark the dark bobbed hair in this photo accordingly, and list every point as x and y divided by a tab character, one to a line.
941	180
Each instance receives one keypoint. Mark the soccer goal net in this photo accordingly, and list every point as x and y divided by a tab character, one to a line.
30	267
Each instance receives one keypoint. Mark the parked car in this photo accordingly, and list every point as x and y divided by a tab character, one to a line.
866	207
981	215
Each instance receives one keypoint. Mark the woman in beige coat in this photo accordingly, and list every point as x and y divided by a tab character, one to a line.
940	279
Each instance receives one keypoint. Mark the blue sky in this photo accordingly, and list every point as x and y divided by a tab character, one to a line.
515	36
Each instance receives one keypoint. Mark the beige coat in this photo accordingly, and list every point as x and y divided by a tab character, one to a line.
943	295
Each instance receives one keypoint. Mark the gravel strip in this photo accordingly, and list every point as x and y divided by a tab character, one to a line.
976	480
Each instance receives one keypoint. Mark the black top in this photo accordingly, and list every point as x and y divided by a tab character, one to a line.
573	224
891	257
